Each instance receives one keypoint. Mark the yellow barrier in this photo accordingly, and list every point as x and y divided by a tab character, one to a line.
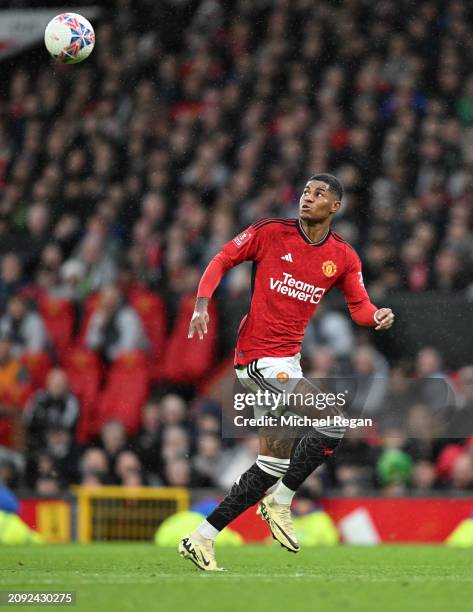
54	520
111	513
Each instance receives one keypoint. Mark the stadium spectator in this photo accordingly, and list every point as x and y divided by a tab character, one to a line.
37	231
71	279
394	469
94	468
177	473
114	327
330	329
128	469
322	362
460	415
64	451
312	489
173	410
100	266
461	476
14	389
12	467
24	327
40	464
207	419
425	432
11	278
113	440
238	459
371	371
147	442
401	394
353	468
52	407
47	486
464	103
57	457
424	478
175	443
432	385
206	463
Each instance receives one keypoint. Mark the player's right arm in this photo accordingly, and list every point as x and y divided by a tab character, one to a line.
244	247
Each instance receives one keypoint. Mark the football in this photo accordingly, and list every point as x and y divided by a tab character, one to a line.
69	38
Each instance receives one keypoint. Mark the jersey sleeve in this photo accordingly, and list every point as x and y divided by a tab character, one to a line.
351	283
247	246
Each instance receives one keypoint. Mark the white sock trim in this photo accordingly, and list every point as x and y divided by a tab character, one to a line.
208	531
283	495
273	465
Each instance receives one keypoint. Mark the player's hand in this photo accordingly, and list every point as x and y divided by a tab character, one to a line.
198	324
200	319
384	317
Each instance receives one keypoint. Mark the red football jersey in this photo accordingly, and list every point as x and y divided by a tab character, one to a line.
291	276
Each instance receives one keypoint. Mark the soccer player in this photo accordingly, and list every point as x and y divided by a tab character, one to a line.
296	263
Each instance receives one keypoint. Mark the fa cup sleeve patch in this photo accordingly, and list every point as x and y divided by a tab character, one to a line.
240	240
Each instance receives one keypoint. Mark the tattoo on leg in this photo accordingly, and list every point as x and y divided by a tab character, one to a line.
275	446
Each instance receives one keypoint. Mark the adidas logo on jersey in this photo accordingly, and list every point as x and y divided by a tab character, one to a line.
287	257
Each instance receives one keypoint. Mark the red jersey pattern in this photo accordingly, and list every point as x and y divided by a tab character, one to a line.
291	275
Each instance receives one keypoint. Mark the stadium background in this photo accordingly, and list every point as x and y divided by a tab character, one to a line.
190	121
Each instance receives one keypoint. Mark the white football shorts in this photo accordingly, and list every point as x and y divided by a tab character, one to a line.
273	374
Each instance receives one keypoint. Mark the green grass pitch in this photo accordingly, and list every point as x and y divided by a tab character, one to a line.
142	577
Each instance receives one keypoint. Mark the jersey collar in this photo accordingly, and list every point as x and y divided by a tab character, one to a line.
306	237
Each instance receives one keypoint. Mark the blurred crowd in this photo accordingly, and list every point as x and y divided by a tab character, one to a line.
421	441
120	178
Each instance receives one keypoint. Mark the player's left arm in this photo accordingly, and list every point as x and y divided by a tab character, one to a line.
362	310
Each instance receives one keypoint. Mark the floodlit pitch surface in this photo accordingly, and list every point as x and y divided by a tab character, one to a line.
257	578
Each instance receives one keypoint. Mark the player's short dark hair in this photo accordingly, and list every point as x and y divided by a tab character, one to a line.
332	181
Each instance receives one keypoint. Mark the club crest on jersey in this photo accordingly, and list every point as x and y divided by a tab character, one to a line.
242	238
282	377
329	268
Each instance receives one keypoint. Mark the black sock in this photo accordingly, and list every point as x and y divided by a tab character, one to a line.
310	452
249	489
